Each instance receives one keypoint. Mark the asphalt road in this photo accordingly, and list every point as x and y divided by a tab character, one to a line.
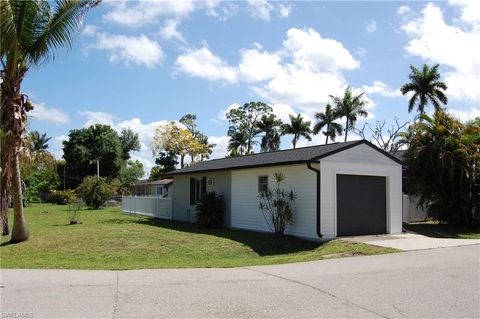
437	283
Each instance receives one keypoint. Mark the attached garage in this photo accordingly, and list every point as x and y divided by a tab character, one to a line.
361	205
344	189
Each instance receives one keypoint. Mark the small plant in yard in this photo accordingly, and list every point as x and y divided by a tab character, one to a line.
210	210
74	208
276	205
94	190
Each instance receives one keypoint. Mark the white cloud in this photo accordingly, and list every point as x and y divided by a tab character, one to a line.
466	115
221	146
204	64
258	65
380	88
259	9
371	26
361	52
169	30
139	50
402	10
42	113
457	47
97	118
470	10
136	14
311	51
284	10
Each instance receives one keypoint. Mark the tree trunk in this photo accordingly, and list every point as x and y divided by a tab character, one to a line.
294	142
326	135
20	230
5	186
182	161
346	130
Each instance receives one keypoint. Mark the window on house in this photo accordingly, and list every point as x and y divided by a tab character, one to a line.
262	183
159	190
198	188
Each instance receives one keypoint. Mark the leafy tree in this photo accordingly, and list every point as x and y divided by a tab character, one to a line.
351	107
95	191
166	162
206	148
174	140
37	142
269	125
298	128
31	32
327	119
130	172
276	205
244	122
237	143
85	146
129	141
443	160
155	173
426	87
190	122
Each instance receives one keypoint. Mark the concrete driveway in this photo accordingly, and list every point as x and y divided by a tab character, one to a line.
438	283
409	241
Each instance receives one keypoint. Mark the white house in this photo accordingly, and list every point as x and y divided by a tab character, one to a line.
343	189
158	188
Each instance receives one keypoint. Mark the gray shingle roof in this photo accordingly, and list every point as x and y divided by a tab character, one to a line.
283	157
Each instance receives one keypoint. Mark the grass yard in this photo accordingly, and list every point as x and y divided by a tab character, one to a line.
434	229
110	239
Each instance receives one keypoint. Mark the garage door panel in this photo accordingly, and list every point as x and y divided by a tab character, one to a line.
361	205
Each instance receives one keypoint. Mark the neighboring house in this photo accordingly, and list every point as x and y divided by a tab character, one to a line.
344	189
157	188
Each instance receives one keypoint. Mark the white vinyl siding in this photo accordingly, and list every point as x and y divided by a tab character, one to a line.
246	213
360	160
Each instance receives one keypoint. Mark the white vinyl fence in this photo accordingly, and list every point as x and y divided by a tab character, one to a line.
149	206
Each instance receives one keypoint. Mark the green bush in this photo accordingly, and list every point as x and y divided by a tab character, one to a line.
210	210
94	191
62	197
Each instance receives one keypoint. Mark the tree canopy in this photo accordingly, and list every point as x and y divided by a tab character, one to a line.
87	145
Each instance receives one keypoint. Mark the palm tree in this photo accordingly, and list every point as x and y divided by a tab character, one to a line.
238	142
31	32
328	119
349	106
38	143
207	147
298	128
269	124
426	87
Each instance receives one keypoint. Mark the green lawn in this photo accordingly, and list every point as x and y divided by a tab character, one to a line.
110	239
434	229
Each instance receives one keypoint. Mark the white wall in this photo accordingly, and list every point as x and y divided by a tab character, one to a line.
182	210
359	160
246	213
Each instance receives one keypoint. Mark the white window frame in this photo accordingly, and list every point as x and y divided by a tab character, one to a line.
259	183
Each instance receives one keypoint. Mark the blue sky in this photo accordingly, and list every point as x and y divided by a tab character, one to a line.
139	64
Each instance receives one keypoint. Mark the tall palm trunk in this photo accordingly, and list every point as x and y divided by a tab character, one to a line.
19	230
326	135
346	130
13	119
6	178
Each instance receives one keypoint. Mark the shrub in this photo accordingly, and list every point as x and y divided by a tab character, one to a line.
210	210
62	197
276	206
94	191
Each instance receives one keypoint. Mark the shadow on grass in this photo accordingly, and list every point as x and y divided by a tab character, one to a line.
443	230
263	244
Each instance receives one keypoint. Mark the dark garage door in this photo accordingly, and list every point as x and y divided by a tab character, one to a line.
361	205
